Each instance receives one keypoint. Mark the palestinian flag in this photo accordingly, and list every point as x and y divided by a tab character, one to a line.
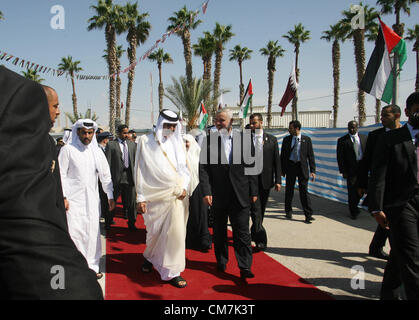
245	103
203	117
378	77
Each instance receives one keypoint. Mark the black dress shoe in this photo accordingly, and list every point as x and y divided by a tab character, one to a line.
246	273
205	248
221	267
288	215
260	246
309	219
380	254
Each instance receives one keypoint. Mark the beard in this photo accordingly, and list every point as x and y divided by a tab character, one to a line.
86	141
167	133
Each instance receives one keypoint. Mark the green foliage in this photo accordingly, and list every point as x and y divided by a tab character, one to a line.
188	98
32	75
88	115
160	56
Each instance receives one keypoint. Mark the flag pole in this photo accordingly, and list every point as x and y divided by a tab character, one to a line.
395	78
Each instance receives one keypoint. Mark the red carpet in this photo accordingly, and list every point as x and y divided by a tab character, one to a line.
124	279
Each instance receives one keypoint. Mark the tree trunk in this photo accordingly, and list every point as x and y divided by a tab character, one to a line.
111	41
360	68
207	77
131	74
186	40
74	97
377	110
241	86
271	66
161	90
118	95
398	27
217	75
297	73
204	63
336	80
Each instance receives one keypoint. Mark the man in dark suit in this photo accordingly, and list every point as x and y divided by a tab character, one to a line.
54	112
390	118
394	193
102	140
297	160
229	190
121	158
349	151
270	177
38	259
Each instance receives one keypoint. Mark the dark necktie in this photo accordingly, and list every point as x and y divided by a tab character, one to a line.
294	150
126	159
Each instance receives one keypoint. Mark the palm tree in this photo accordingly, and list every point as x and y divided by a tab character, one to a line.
109	16
138	31
119	51
335	35
396	6
222	34
185	18
205	49
240	54
68	65
358	36
296	37
413	35
32	75
160	57
1	16
188	98
272	51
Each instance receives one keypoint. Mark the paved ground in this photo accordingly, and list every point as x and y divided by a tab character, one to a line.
326	251
331	253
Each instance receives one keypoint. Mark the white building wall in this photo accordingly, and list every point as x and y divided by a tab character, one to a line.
308	119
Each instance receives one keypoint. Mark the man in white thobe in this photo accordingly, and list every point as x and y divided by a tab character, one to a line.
81	164
162	180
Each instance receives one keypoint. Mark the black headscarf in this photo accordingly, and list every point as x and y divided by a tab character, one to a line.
33	227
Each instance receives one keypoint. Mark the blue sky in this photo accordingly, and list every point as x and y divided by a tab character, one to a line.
26	33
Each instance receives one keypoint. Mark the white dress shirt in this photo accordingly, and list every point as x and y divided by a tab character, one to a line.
226	141
121	146
258	139
355	139
298	146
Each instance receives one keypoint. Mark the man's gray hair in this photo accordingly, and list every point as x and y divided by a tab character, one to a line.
227	111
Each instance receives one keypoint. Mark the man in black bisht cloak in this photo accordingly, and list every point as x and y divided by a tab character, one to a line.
38	259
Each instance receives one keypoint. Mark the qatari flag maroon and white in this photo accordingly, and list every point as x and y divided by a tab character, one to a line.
290	91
